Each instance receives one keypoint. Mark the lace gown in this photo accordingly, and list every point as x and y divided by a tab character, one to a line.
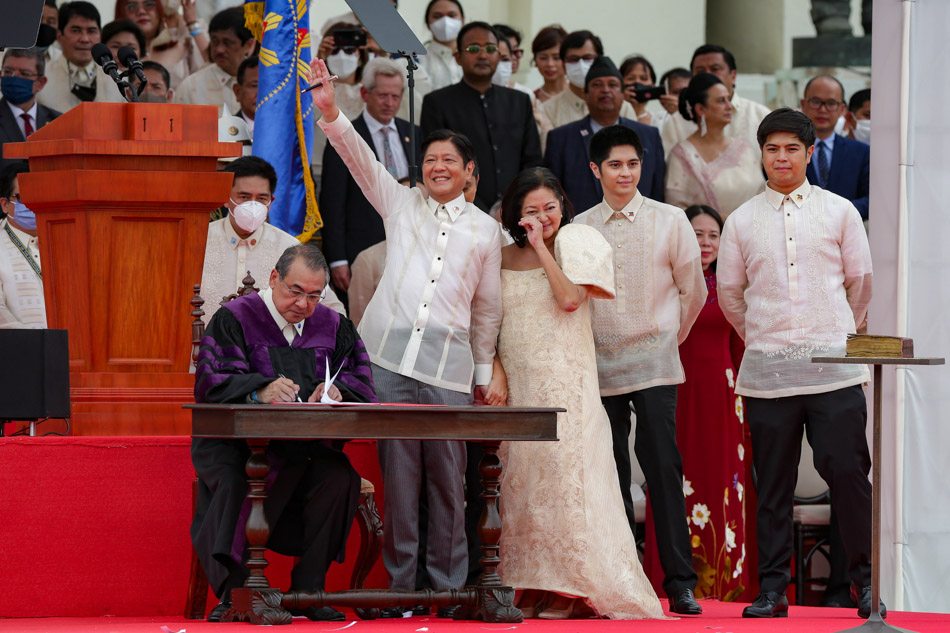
564	527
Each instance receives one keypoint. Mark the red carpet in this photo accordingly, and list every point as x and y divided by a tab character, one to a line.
718	618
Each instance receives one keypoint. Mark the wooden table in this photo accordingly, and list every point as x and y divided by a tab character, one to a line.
489	600
875	622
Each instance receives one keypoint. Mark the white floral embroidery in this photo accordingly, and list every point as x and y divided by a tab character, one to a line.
701	515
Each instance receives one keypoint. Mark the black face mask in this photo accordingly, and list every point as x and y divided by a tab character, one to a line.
46	36
85	93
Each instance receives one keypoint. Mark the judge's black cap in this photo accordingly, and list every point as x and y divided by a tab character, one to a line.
603	66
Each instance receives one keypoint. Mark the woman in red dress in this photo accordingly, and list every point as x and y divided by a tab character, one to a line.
710	433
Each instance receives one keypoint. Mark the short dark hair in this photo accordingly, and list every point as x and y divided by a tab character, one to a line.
831	77
529	180
577	39
249	62
311	255
115	27
29	53
150	65
82	9
432	3
702	209
506	31
786	120
460	141
9	174
253	166
50	3
471	26
548	37
675	73
858	99
708	49
697	92
638	60
610	137
231	20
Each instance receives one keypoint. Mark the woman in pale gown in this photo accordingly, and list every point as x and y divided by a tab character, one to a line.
566	541
710	167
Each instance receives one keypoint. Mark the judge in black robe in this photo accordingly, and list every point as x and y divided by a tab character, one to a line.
313	488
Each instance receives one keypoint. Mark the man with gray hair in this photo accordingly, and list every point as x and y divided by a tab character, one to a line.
350	223
273	347
20	115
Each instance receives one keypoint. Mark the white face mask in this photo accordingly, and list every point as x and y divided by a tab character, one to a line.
343	64
577	72
502	74
446	29
862	130
250	215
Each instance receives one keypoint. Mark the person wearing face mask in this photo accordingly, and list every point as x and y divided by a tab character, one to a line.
157	83
20	114
858	117
445	19
839	164
21	275
242	241
499	121
578	52
46	37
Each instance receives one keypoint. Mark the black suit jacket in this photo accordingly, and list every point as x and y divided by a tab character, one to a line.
849	174
10	130
568	156
350	223
500	124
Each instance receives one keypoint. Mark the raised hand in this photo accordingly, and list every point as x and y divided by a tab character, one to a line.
324	97
533	228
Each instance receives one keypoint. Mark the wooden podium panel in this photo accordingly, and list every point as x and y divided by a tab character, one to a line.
122	194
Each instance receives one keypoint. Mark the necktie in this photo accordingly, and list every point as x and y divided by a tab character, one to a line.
823	165
27	125
389	160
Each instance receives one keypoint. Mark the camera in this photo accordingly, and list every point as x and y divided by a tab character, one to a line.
349	38
643	93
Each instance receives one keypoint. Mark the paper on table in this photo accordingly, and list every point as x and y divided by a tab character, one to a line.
325	398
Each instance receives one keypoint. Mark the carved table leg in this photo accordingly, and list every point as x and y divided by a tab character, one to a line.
495	601
256	602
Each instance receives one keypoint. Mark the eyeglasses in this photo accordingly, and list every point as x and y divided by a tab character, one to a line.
816	103
312	299
132	7
573	59
10	72
15	197
475	49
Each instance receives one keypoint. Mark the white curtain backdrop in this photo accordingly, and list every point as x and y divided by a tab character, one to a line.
910	188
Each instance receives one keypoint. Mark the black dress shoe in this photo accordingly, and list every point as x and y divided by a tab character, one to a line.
446	612
769	604
420	610
218	611
684	603
839	598
323	614
863	599
393	612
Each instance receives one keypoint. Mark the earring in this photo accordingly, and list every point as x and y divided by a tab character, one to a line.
702	125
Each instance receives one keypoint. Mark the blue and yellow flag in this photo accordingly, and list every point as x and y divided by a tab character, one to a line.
283	125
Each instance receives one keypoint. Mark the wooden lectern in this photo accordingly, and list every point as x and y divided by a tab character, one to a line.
122	194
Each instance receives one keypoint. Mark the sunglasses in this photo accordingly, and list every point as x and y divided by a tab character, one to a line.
475	49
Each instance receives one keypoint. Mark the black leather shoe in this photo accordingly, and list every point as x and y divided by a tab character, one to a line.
420	610
446	612
218	611
839	598
323	614
684	603
863	599
769	604
392	612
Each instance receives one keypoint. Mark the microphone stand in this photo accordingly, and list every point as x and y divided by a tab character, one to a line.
410	67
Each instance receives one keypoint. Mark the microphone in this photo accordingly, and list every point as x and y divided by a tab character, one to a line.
130	60
103	57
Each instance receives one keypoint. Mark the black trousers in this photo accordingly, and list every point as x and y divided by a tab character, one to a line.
659	457
834	423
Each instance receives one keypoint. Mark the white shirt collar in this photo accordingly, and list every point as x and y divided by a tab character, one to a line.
234	240
454	207
88	71
829	143
799	197
267	294
630	211
17	111
375	125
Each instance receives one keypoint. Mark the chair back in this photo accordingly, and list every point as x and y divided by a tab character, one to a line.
811	488
197	302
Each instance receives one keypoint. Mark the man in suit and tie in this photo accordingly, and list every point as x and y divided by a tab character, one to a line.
20	114
839	164
568	147
350	223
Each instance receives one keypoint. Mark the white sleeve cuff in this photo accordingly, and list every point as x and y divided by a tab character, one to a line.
339	262
483	374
